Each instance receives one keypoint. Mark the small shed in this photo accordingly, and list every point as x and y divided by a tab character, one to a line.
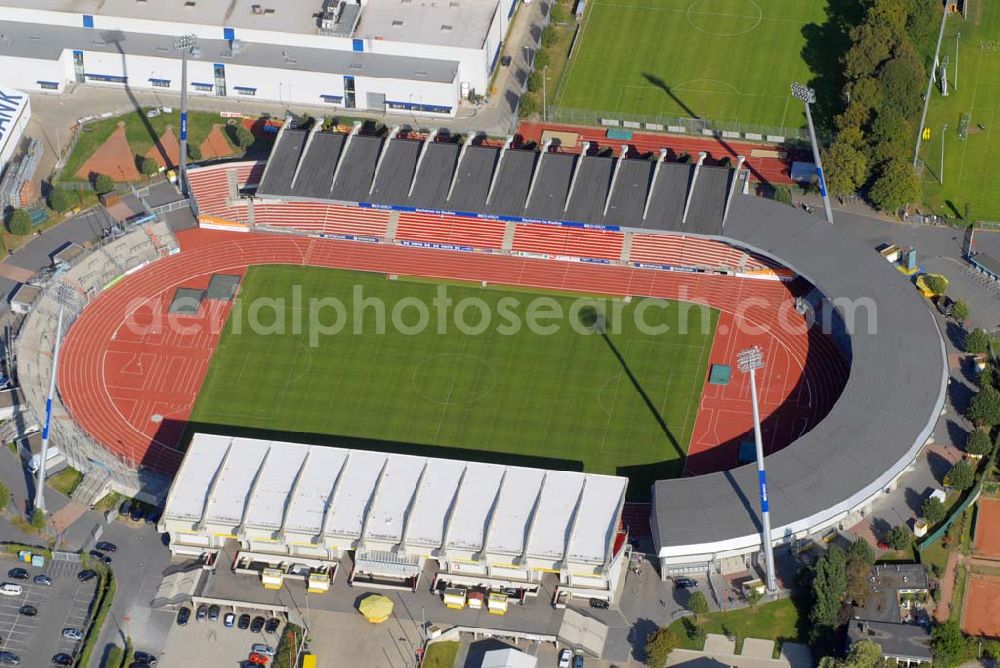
23	298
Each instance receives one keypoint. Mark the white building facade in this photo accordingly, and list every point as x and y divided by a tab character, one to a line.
289	505
381	55
15	112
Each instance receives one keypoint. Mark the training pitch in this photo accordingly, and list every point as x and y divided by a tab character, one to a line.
723	60
585	398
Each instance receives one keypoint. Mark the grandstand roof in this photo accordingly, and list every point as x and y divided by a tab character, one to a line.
396	498
553	175
461	23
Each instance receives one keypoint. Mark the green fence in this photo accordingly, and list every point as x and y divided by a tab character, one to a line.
957	511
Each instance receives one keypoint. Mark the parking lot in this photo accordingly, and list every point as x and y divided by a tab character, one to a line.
63	605
212	644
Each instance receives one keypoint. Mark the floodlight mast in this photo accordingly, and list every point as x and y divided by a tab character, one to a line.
186	44
748	361
43	455
808	96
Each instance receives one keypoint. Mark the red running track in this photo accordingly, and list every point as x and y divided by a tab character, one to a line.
133	387
769	170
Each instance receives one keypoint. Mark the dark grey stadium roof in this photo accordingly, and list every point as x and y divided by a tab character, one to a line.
896	387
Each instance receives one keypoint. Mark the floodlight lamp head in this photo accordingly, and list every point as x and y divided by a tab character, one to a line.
803	93
749	359
186	42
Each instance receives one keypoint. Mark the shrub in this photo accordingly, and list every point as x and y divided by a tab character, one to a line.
194	152
60	200
528	106
4	497
19	223
783	194
103	184
697	603
978	443
148	167
659	645
960	310
899	537
932	510
936	283
535	81
38	518
984	409
961	476
242	137
284	655
977	341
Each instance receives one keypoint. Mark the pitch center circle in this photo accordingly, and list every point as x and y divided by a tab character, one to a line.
703	17
467	379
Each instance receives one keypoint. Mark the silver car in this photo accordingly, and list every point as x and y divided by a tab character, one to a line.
72	634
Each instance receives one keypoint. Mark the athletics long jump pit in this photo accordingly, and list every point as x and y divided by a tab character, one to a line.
981	616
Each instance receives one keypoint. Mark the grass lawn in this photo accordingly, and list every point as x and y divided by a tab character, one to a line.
778	621
724	60
140	131
66	480
623	403
440	655
971	166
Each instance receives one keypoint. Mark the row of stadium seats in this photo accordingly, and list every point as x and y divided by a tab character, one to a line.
216	190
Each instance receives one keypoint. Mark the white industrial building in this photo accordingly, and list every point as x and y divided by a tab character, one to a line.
299	508
15	112
419	56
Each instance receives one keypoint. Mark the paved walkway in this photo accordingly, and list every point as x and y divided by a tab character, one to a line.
943	610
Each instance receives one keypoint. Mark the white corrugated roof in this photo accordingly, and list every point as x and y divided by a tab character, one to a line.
393	497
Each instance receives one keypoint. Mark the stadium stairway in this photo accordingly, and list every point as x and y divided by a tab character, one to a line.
392	226
508	237
626	248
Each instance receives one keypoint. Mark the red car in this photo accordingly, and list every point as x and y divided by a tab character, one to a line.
258	659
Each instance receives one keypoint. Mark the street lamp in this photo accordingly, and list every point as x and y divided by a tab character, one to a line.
808	96
186	44
749	360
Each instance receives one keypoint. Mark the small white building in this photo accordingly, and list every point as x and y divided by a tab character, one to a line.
297	507
15	112
508	658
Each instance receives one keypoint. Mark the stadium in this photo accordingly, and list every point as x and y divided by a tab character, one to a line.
847	403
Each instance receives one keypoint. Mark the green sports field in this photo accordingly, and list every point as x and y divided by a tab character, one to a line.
624	402
723	60
971	165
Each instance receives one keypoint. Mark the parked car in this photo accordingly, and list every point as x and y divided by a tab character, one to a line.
152	113
257	659
28	610
202	613
100	556
229	620
137	513
144	659
272	625
42	580
257	625
565	657
9	659
17	574
10	589
685	583
105	546
578	661
213	613
244	622
62	659
599	603
183	615
72	634
86	575
261	648
125	508
153	516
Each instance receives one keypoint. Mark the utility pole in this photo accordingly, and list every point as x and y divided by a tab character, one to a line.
545	73
808	96
749	360
186	44
941	171
40	485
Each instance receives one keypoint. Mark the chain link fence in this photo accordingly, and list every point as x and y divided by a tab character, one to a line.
73	290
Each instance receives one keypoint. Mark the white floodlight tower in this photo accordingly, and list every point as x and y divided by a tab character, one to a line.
186	44
749	361
40	485
808	96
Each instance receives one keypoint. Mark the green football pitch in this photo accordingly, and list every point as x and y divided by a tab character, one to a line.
615	400
723	60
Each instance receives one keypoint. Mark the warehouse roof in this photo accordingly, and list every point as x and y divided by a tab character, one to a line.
47	42
357	494
462	23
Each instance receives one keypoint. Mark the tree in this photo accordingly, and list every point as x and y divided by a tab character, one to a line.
828	587
891	136
846	168
948	644
863	551
978	443
960	310
753	597
783	194
659	645
528	107
961	476
984	409
194	152
697	603
19	223
103	184
901	81
977	341
936	283
895	186
242	137
899	537
4	497
148	167
864	654
534	81
932	510
860	557
60	200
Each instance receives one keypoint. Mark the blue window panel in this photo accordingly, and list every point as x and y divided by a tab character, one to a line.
108	78
513	6
495	56
332	99
48	85
203	86
416	106
358	45
229	34
245	90
88	21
